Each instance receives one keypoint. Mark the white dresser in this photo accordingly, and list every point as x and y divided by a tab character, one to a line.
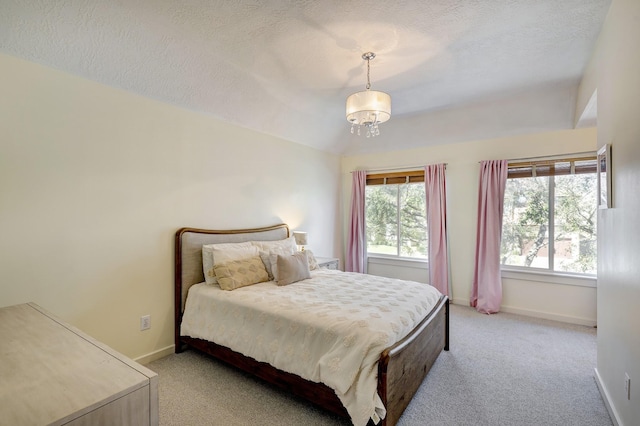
53	374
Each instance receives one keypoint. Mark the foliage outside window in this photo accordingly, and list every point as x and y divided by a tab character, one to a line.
550	212
396	218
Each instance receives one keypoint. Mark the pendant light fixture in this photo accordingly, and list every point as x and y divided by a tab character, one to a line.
368	108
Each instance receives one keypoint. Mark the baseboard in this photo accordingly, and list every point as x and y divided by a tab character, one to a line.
548	315
607	399
538	314
160	353
462	302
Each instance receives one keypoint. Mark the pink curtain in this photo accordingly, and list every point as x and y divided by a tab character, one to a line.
356	244
435	186
486	293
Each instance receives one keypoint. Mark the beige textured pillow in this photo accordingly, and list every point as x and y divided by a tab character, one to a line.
240	273
292	268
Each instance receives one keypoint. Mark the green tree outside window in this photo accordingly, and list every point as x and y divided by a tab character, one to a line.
396	223
550	223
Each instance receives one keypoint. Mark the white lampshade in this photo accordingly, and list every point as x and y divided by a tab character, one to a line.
368	107
300	237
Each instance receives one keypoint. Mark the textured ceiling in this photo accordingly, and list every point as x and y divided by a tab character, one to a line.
455	69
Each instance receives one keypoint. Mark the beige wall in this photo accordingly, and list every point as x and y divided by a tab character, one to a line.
618	74
95	181
562	302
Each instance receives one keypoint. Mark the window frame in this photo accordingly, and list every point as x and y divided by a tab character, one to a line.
396	178
524	169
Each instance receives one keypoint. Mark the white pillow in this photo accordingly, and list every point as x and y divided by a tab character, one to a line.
286	246
214	254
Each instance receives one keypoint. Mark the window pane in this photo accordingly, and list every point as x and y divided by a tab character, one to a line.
396	221
525	228
381	212
575	223
413	221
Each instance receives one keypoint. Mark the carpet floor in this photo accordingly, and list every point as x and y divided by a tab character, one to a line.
502	369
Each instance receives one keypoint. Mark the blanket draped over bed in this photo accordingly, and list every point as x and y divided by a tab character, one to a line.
330	328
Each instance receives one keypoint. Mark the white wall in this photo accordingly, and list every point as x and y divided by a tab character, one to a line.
618	76
95	181
564	302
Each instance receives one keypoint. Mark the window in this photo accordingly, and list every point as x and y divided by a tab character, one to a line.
550	216
395	215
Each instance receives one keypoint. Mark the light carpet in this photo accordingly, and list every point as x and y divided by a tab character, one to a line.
502	369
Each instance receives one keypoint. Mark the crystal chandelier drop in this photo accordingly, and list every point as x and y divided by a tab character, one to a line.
368	108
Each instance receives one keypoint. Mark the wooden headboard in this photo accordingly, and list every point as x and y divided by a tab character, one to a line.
188	255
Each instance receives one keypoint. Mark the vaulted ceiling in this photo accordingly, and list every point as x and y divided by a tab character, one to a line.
456	69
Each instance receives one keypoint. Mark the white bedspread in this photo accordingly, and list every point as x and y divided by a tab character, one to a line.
331	328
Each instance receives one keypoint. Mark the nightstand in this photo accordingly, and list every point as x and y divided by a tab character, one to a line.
52	373
328	262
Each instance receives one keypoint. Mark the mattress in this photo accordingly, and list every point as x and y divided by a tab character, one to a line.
330	328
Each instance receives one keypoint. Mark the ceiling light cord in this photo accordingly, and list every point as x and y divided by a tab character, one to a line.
368	71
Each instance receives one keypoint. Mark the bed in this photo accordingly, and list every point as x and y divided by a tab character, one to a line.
401	367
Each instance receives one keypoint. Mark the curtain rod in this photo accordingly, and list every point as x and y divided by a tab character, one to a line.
551	157
402	168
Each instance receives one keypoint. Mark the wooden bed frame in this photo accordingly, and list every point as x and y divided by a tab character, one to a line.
401	369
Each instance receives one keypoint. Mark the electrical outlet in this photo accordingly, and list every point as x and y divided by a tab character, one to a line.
145	322
627	386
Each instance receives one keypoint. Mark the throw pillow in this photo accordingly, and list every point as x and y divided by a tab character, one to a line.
292	268
240	273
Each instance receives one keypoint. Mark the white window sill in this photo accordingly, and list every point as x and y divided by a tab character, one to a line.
551	277
405	262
